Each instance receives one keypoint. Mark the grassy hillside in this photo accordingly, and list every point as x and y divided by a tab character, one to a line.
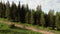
44	28
5	29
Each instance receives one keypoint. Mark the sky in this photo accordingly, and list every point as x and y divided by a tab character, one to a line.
46	4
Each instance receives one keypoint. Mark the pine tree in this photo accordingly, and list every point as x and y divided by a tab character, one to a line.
30	17
23	14
26	13
14	12
1	9
46	20
8	10
51	18
26	18
35	18
42	19
38	13
57	20
18	12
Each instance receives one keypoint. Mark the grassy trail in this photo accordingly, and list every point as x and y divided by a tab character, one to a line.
26	27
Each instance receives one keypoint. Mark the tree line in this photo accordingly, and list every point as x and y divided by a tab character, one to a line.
25	15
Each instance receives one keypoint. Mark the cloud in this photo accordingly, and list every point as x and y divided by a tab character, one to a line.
46	4
50	4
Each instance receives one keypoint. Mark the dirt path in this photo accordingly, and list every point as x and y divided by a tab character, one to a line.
27	27
37	30
34	29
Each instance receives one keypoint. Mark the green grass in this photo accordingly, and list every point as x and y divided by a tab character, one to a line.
5	29
43	28
4	26
48	29
36	26
4	19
